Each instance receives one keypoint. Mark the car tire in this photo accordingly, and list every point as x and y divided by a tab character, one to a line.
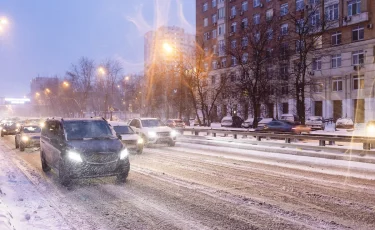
22	147
45	166
122	176
16	143
63	176
172	143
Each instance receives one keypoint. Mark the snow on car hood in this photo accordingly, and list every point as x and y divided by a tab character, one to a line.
129	137
344	121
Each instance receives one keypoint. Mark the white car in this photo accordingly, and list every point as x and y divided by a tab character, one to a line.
315	122
133	142
153	131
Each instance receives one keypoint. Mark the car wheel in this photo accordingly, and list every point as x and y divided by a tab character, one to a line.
121	177
22	147
172	143
45	167
16	143
63	174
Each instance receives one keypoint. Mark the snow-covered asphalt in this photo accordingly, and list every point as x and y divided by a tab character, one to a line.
192	186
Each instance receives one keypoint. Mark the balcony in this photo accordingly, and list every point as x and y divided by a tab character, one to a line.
350	20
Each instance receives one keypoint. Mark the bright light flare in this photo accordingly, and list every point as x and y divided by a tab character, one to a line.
101	70
167	48
66	84
4	21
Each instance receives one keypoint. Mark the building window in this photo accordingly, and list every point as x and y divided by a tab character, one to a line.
213	80
213	3
206	36
284	29
214	33
257	37
318	87
336	61
256	19
284	9
256	3
244	6
214	18
314	2
205	6
358	57
221	12
337	84
221	29
300	5
300	26
245	57
284	72
358	82
269	34
214	65
315	18
354	7
336	38
214	50
233	44
233	11
234	61
284	90
285	108
221	47
244	42
317	64
332	12
269	14
223	62
206	51
205	22
205	66
358	33
299	46
244	23
233	27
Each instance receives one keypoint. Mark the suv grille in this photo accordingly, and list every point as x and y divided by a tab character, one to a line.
163	134
100	158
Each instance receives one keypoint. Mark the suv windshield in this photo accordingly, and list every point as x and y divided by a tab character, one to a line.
123	129
151	123
31	129
78	130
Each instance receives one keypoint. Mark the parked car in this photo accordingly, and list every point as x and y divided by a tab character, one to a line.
195	122
175	123
10	128
231	121
153	131
81	148
284	126
265	121
315	122
27	137
291	118
249	122
133	142
344	123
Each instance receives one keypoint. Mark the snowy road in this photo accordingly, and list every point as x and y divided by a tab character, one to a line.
193	186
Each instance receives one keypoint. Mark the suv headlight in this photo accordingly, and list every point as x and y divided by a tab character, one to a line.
74	156
25	138
124	154
152	134
173	133
140	140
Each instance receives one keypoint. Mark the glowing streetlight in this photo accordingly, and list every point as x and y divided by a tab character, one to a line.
3	21
66	84
37	94
101	70
127	78
48	90
167	48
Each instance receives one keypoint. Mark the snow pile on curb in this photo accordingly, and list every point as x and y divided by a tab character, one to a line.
6	218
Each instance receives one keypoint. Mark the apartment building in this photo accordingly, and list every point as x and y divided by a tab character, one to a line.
344	74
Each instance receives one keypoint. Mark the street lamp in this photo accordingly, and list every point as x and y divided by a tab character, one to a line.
101	70
66	84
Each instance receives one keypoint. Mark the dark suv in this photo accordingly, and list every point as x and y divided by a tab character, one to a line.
82	148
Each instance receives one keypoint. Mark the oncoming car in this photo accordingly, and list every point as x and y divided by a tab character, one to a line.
133	142
28	136
153	131
82	148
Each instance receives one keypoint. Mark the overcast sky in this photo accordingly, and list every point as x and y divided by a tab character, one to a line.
44	37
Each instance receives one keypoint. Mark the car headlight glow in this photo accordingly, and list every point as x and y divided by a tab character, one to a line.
371	128
4	130
124	154
140	141
173	133
152	134
41	124
25	138
74	156
18	125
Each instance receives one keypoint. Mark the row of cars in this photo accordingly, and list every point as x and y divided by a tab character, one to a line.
89	147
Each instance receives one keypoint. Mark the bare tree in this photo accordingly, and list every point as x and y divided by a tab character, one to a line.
251	58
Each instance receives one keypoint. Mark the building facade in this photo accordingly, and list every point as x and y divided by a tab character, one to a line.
344	74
